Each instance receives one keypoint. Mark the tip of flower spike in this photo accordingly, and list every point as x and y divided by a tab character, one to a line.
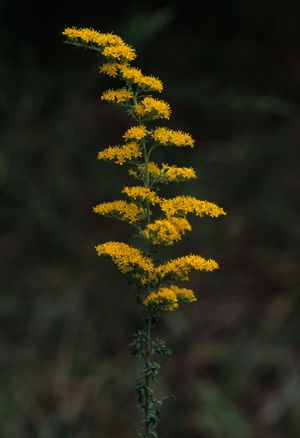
90	36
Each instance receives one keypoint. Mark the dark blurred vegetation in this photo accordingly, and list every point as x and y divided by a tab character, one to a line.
232	76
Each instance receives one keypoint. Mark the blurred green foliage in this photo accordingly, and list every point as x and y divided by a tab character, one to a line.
232	77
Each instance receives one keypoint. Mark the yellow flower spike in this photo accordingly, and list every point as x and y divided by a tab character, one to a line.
150	275
121	154
166	231
140	193
135	133
121	95
152	109
126	211
125	257
168	137
182	205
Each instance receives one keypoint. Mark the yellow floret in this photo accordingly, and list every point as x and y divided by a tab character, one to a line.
168	137
121	154
126	211
152	109
120	95
140	193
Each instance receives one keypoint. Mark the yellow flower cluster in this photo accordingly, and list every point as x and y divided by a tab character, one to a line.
135	76
182	205
165	174
152	109
180	268
112	46
120	52
139	173
120	95
186	295
120	154
126	258
110	69
135	133
167	298
126	211
174	173
140	193
168	137
153	169
164	299
166	231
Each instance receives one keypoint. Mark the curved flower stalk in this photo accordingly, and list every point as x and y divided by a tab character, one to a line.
157	290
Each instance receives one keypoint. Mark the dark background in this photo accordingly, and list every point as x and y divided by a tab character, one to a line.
232	75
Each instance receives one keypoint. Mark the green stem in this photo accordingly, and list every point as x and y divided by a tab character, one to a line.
147	355
148	317
147	379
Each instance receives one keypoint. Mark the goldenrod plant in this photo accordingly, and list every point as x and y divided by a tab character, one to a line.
156	220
